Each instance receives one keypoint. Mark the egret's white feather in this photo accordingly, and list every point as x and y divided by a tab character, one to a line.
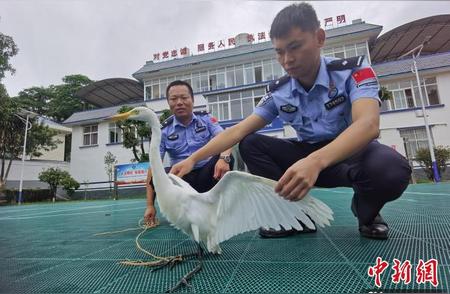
239	202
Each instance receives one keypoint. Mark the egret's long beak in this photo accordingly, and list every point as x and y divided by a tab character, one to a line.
120	116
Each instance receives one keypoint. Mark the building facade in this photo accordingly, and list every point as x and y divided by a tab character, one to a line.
229	84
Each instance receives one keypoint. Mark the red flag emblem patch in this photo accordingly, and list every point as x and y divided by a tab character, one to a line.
213	119
364	76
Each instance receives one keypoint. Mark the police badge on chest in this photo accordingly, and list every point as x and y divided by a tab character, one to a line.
288	108
335	102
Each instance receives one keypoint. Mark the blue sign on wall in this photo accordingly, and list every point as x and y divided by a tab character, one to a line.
131	174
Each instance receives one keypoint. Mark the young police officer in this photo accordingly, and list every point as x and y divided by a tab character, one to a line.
333	105
182	134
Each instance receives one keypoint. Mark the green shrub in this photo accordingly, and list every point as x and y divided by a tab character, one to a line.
69	185
55	177
442	155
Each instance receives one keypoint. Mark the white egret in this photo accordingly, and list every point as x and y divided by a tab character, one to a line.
238	203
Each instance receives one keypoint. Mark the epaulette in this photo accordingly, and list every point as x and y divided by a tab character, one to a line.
201	112
278	83
346	63
167	122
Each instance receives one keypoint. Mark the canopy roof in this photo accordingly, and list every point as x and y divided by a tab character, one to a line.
112	92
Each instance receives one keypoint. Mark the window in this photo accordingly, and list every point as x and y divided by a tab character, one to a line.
148	92
247	107
90	135
361	49
231	82
406	94
399	99
339	52
223	111
415	139
163	87
347	51
350	50
212	82
409	98
239	75
385	105
432	91
267	69
248	72
196	82
258	74
187	78
155	91
204	81
115	133
234	105
236	111
328	52
220	78
278	71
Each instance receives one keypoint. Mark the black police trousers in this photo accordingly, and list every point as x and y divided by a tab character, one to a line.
377	173
201	179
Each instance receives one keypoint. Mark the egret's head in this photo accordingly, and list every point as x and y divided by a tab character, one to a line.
140	113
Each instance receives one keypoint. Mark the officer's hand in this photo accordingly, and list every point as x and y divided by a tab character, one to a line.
298	179
150	216
183	167
220	169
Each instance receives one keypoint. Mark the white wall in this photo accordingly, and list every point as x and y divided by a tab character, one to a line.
56	154
31	171
438	118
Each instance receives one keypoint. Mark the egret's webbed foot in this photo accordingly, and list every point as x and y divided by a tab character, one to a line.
184	280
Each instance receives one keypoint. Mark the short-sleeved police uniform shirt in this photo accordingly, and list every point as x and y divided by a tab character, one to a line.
325	111
181	141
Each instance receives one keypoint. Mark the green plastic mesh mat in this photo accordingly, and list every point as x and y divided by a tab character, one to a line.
51	248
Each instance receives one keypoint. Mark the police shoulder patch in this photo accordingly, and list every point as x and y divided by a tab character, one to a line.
167	122
201	112
347	63
266	98
278	83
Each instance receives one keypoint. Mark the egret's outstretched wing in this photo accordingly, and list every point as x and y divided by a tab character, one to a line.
247	202
177	181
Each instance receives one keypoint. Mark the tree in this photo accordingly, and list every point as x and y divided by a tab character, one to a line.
36	99
41	138
57	102
110	162
134	133
12	135
165	115
131	128
7	50
424	158
55	177
64	102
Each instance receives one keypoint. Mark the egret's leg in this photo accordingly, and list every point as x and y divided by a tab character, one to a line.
184	280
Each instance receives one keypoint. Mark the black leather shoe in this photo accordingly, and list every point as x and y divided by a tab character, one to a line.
272	233
378	229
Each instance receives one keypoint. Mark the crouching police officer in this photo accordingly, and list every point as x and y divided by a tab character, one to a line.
182	134
333	105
